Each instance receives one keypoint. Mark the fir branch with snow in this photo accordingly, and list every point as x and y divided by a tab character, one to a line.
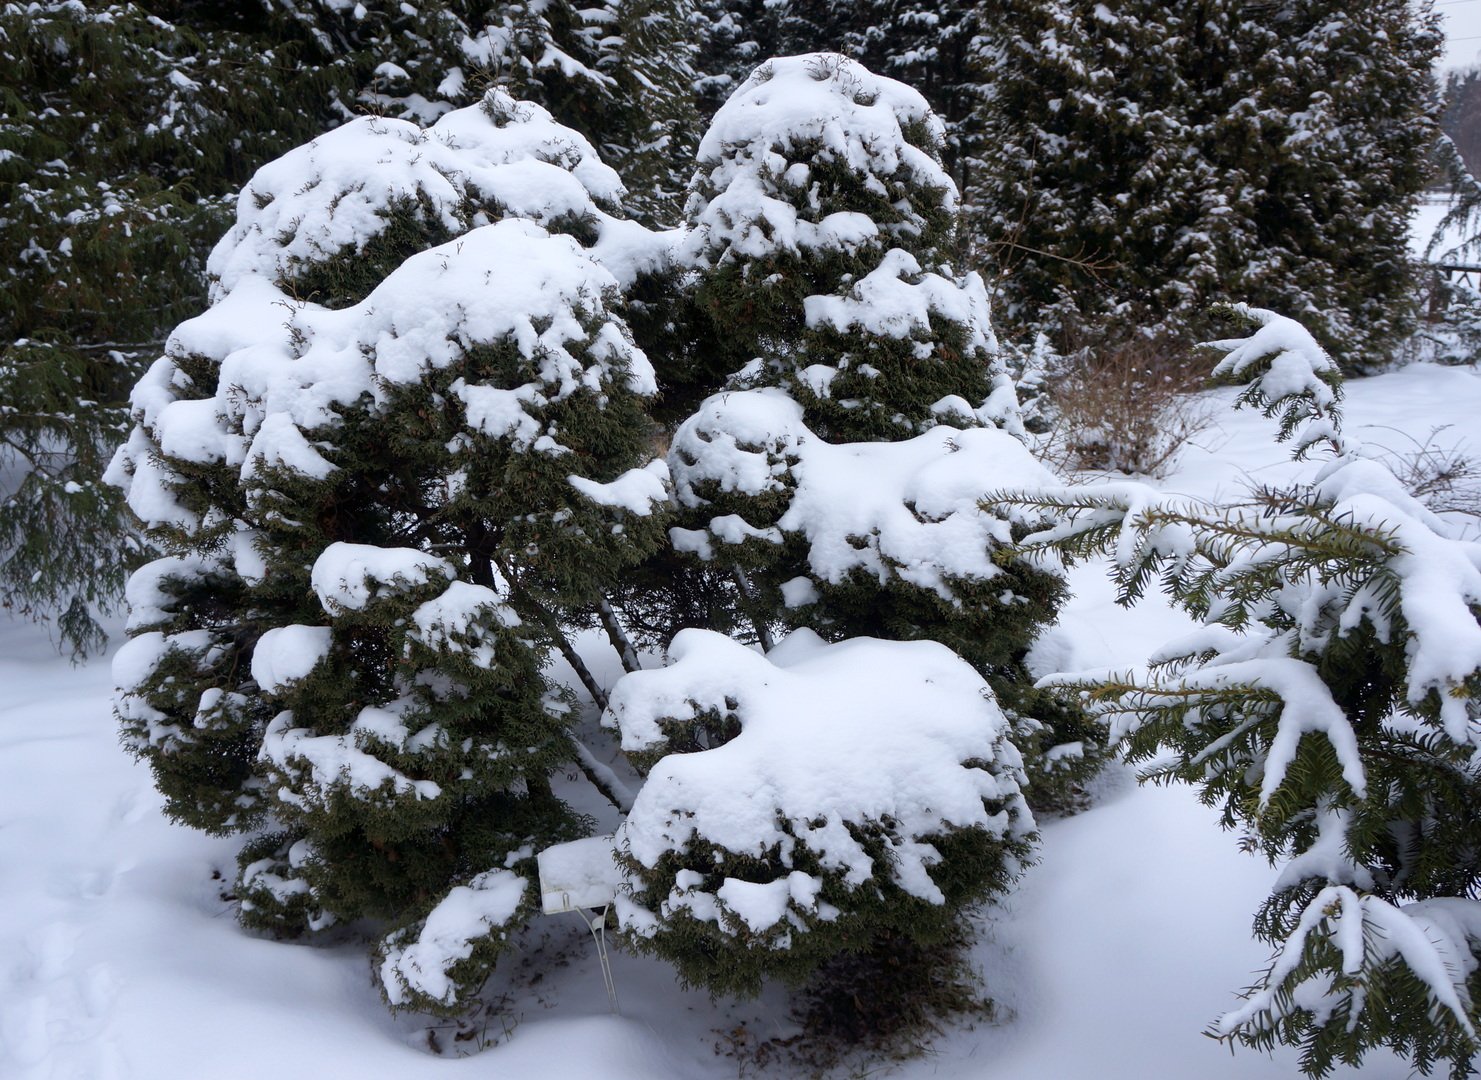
1330	706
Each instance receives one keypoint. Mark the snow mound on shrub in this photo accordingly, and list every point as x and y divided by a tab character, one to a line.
908	510
417	970
900	735
336	194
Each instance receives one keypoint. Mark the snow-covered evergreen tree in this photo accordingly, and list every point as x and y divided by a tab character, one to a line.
1330	706
1152	158
124	130
836	483
398	455
933	47
815	801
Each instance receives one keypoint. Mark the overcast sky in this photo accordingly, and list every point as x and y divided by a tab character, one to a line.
1462	20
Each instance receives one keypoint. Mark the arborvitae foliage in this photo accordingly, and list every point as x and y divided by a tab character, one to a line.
1330	707
821	226
1152	158
387	475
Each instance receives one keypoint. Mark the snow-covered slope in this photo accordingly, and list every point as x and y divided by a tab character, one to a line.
118	957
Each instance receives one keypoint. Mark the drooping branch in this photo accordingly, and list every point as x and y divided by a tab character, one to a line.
527	605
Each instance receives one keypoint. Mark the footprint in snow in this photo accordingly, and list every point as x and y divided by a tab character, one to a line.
52	1016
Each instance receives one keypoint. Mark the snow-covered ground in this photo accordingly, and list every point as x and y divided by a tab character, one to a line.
119	958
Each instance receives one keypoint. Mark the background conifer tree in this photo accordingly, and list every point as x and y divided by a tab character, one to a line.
1152	158
120	136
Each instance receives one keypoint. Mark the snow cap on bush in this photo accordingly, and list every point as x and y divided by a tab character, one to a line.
815	791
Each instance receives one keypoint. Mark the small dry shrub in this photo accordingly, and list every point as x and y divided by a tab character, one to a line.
1129	409
1438	472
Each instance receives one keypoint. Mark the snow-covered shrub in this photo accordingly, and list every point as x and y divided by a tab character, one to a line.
379	512
821	226
834	483
882	539
1331	705
803	803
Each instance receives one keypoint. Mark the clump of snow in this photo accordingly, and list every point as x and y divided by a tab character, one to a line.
897	300
134	667
420	966
321	765
1435	939
511	281
286	654
148	599
637	491
906	510
904	736
454	622
347	577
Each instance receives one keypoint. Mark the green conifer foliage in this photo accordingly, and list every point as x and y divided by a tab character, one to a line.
1329	707
1153	158
126	127
119	133
381	512
822	223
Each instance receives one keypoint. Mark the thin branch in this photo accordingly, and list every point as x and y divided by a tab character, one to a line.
603	778
763	633
617	636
